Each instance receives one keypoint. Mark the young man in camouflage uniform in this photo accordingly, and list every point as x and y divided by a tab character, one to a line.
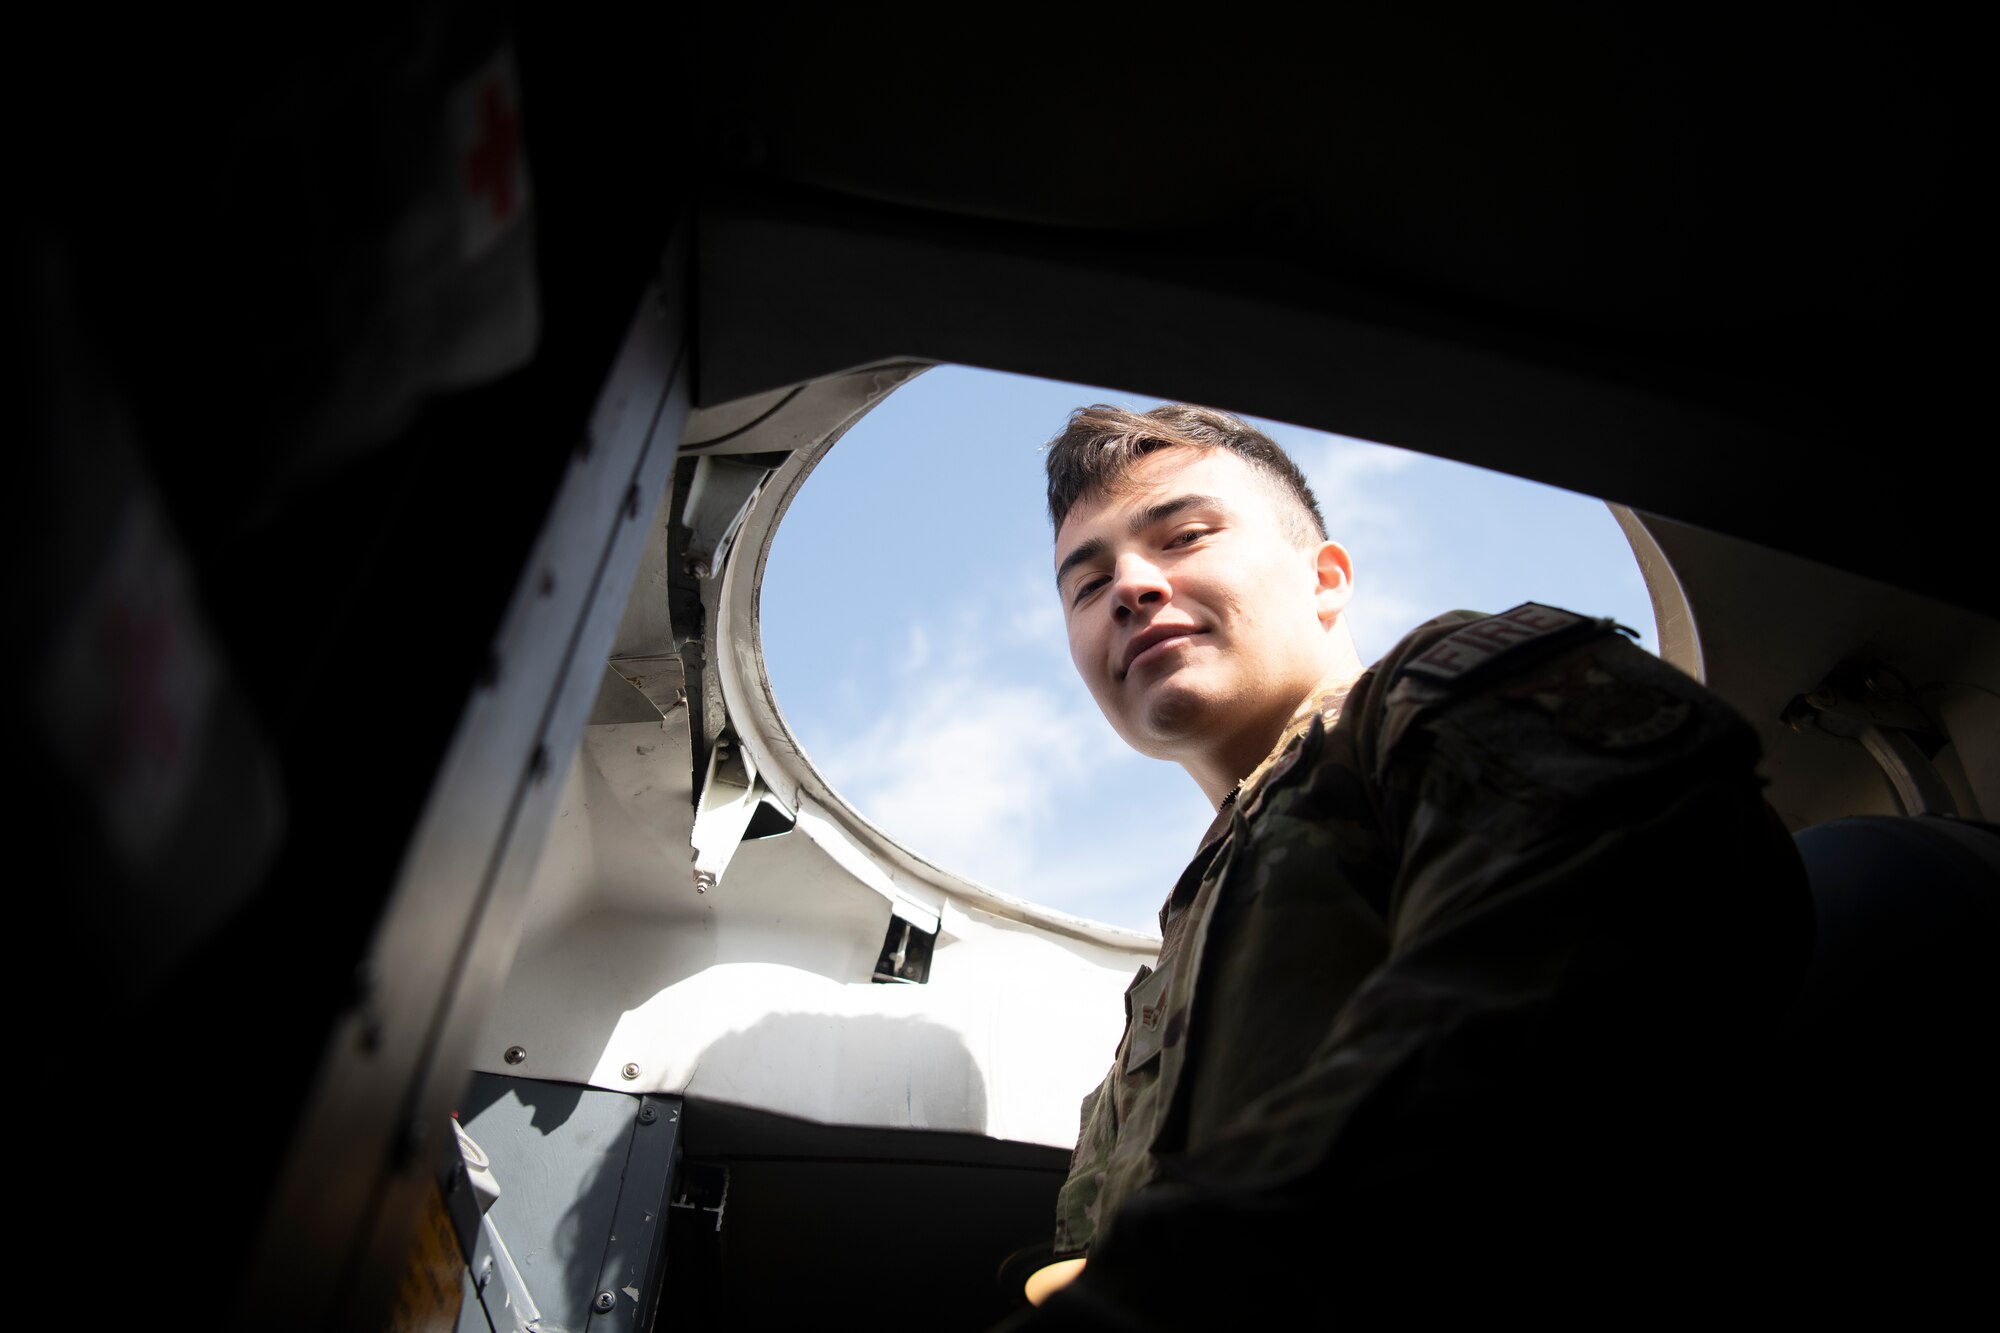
1456	994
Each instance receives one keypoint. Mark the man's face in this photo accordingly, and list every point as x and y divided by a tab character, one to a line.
1193	618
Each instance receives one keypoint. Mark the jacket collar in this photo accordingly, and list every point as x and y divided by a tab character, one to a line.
1323	704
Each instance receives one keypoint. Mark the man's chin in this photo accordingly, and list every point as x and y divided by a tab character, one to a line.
1174	712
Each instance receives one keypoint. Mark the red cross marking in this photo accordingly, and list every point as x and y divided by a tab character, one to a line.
489	166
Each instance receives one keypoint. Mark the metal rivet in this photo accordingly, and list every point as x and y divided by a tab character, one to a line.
604	1303
515	1054
630	1071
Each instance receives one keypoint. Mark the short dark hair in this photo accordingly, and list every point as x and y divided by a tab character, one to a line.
1101	444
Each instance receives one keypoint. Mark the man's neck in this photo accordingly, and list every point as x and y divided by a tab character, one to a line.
1221	772
1219	776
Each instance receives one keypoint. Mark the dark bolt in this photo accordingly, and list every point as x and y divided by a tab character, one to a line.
647	1115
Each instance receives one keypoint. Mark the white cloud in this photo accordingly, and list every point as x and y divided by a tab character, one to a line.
968	765
1037	621
917	650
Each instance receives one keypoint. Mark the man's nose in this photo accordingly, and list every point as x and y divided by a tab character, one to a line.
1136	582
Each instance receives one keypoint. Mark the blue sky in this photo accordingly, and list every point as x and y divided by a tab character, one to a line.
915	641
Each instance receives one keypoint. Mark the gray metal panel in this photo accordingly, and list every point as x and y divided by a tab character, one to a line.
564	1157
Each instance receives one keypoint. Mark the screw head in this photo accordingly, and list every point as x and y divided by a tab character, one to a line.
515	1054
604	1302
647	1115
630	1070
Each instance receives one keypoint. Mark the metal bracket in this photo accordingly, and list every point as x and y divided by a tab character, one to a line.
717	499
701	1183
729	797
630	1276
659	677
906	953
1874	706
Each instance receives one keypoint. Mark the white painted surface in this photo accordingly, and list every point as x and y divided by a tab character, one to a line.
759	992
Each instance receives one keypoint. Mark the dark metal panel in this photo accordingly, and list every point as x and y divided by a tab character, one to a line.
629	1280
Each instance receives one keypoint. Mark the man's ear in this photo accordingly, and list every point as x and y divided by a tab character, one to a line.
1335	571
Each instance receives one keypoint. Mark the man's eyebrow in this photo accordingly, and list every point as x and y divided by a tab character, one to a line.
1088	551
1166	509
1140	521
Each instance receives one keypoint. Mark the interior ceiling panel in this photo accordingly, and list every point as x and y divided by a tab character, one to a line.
1754	222
1588	163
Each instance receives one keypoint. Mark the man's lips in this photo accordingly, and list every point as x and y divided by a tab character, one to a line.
1143	644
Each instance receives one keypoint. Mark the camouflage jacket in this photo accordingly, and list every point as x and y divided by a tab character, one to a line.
1486	867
